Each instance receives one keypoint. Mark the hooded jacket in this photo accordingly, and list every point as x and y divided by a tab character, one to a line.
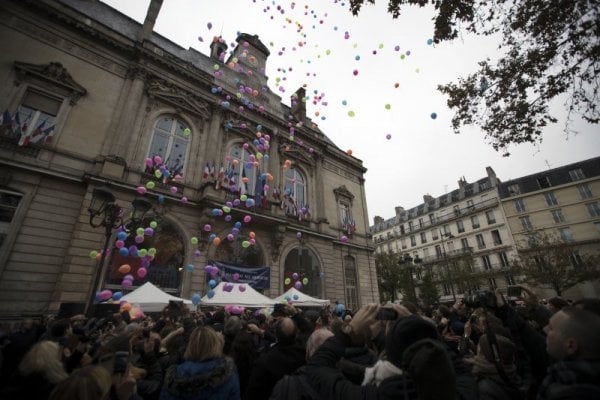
214	379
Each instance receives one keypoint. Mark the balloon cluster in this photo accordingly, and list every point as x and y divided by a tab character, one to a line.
107	296
296	280
163	175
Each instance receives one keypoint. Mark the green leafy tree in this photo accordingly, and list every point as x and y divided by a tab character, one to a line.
548	261
428	291
548	49
389	275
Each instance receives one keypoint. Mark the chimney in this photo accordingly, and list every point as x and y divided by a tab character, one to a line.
399	210
298	102
150	20
492	175
462	182
378	220
217	47
427	198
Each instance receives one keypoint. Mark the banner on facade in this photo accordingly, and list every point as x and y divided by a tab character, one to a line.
257	277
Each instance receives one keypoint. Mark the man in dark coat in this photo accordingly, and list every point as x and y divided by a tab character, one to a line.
282	358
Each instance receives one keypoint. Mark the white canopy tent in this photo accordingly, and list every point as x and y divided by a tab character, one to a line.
151	299
300	299
246	297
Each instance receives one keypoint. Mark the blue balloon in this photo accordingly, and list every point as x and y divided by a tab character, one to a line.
189	267
161	199
196	299
212	283
122	235
238	224
117	296
340	309
124	251
211	294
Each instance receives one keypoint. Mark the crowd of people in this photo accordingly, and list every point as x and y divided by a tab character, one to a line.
481	347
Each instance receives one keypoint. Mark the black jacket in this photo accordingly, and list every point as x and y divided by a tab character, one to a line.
270	367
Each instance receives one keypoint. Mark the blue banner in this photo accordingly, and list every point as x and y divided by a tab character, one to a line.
256	277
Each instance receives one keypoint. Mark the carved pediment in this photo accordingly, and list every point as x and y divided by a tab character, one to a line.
52	73
178	97
297	154
343	192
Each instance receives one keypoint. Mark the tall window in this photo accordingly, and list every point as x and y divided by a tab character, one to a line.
9	201
295	190
413	240
584	191
480	241
558	216
464	243
170	143
491	218
35	117
550	198
519	205
434	234
351	283
496	237
242	169
438	250
475	221
460	226
503	259
566	234
576	174
423	238
593	209
487	264
543	182
513	189
526	223
447	230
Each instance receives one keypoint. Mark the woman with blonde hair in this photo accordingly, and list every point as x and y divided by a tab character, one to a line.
205	374
38	373
88	383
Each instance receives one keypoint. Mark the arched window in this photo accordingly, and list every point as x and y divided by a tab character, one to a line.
301	265
242	170
294	191
351	283
170	142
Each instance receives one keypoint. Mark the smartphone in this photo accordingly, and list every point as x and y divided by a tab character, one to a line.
514	292
386	314
121	362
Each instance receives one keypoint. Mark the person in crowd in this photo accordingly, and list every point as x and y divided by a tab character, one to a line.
205	374
556	304
492	383
284	357
572	340
38	373
87	383
295	386
416	366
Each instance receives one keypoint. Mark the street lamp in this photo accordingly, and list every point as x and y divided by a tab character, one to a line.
409	262
447	235
104	211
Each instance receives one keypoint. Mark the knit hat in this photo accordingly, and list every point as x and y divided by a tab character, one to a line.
405	332
506	348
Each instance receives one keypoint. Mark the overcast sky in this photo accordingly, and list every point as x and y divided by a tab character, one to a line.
374	80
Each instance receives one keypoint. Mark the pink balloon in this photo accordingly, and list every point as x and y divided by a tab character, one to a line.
141	190
247	218
242	288
157	160
142	272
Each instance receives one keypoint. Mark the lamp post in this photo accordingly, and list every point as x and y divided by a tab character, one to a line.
448	236
105	212
409	262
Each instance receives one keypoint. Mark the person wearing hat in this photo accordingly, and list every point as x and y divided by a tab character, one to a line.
416	363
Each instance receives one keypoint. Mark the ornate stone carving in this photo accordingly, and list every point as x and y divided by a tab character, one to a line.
277	237
54	74
178	97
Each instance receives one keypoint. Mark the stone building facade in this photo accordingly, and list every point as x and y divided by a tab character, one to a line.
452	236
90	98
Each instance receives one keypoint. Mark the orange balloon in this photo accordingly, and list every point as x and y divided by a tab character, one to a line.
349	152
217	241
125	268
126	307
252	235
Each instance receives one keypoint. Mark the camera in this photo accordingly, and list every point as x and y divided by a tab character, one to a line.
481	298
386	314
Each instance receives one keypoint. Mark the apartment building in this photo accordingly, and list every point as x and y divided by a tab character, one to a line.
462	230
